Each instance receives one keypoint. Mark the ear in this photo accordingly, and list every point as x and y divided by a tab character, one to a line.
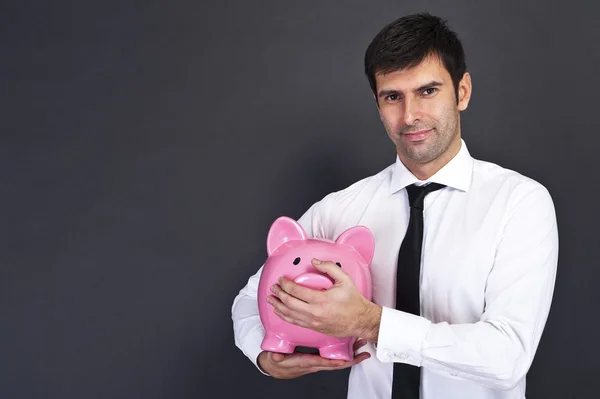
284	229
361	239
465	89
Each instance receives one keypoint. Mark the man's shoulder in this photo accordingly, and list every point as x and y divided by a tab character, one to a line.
363	187
341	209
366	183
492	176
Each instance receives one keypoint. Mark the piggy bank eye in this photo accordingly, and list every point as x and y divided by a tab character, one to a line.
339	264
296	261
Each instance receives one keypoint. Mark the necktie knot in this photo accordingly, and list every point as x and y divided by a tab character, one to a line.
416	194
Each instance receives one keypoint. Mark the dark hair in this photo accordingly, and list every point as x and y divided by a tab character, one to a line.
407	41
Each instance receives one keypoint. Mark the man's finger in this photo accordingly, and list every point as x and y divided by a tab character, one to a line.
326	368
331	269
282	309
310	360
292	318
295	290
288	291
359	344
359	358
277	357
345	364
318	361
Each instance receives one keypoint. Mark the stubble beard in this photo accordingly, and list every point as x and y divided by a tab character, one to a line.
434	145
426	152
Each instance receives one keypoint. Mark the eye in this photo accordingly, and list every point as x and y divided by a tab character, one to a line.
429	91
339	264
296	261
392	97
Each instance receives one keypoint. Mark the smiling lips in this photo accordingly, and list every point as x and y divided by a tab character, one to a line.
418	136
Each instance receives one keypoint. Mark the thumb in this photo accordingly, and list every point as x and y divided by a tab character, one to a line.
330	268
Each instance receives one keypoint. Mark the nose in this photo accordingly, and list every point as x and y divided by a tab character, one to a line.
316	281
411	111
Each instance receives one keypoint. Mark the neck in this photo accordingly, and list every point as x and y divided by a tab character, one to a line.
424	171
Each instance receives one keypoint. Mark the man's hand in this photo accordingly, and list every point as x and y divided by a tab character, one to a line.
340	311
298	364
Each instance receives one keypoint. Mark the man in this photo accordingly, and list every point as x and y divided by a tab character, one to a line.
485	271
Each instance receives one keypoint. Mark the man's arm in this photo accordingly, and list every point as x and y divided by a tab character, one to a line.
498	350
248	330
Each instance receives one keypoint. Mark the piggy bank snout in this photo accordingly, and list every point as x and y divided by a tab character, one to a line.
316	281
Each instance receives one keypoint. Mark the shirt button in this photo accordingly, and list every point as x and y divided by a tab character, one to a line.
453	374
404	356
389	354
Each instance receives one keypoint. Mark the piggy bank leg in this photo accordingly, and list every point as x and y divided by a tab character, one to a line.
273	343
339	351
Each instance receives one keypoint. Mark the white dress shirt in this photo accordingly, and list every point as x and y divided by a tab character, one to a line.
488	267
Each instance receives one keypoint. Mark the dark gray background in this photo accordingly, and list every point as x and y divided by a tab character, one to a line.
146	148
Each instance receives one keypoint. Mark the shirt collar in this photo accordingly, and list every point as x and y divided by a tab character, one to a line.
457	173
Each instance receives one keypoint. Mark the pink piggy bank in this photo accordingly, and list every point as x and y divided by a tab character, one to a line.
290	253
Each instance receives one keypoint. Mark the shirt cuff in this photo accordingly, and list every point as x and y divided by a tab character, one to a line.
252	346
401	337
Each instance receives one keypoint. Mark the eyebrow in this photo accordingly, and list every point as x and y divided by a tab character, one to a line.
433	83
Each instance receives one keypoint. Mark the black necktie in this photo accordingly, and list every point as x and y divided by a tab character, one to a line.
407	378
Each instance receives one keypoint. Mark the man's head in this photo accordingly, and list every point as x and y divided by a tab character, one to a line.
409	40
416	68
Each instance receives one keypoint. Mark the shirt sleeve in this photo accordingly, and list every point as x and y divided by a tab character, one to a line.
497	350
247	327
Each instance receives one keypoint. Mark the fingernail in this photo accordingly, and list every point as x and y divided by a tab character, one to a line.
316	261
272	288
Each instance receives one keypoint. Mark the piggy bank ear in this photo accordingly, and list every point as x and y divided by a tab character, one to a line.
361	239
282	230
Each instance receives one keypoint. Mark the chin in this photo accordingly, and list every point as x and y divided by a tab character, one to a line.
421	156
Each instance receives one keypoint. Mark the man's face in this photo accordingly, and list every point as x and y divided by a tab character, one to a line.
419	110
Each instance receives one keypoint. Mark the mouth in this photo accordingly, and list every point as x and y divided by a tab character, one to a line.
418	136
